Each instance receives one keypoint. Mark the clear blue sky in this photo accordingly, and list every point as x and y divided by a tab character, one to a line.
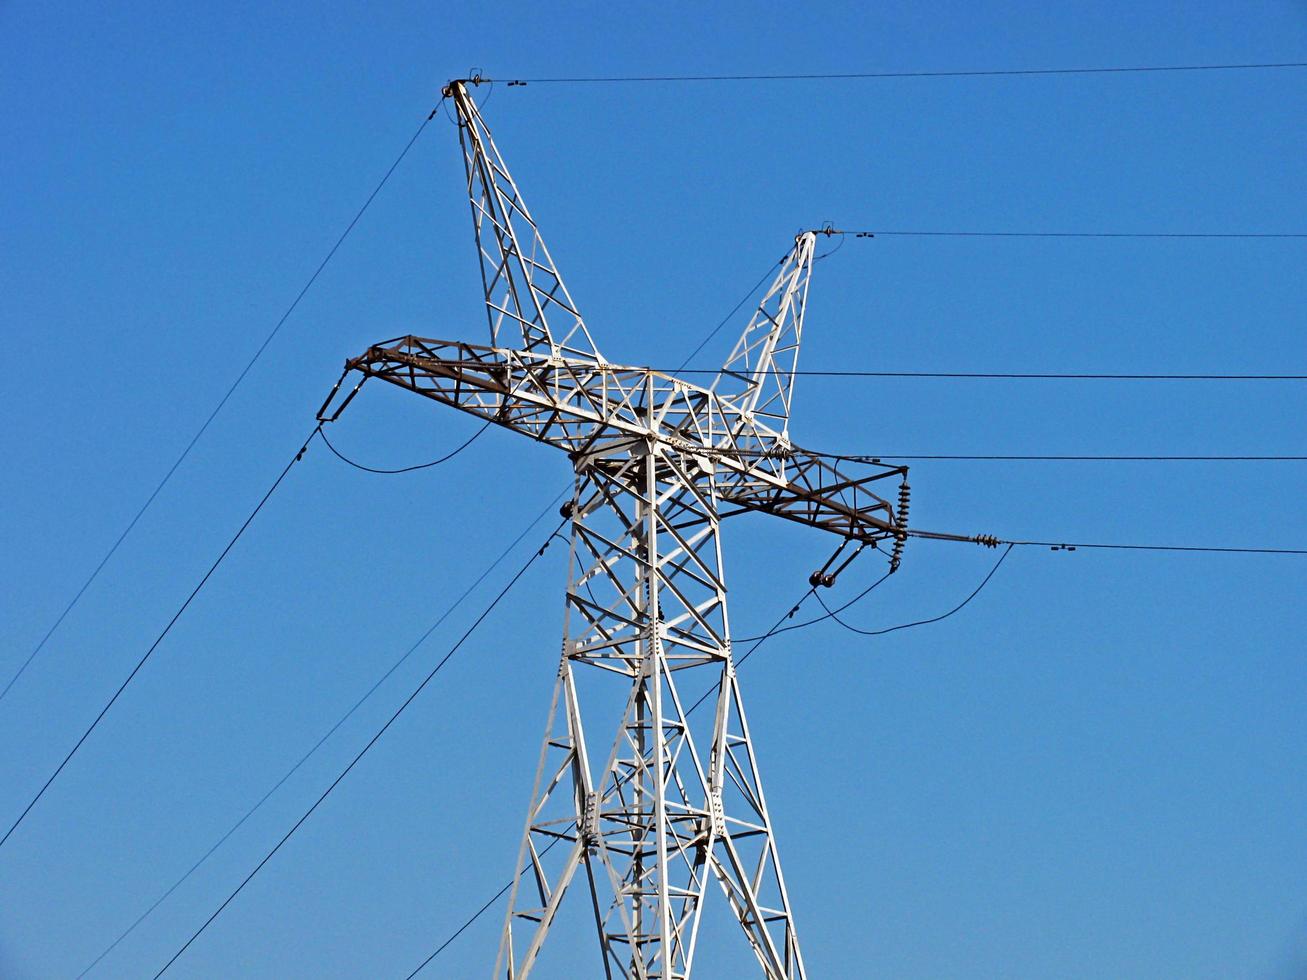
1098	770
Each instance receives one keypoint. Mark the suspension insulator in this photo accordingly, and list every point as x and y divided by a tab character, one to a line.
901	522
896	555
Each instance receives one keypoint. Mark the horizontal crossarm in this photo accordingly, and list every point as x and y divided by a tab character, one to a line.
816	493
587	409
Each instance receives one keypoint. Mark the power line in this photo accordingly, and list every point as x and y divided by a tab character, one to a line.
1017	376
1064	546
850	76
258	353
475	915
159	639
326	735
403	469
1071	234
993	542
362	752
726	319
812	622
834	614
1070	459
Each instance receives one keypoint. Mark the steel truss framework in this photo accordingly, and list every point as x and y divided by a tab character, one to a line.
636	804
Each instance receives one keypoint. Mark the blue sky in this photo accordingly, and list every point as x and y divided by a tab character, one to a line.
1096	770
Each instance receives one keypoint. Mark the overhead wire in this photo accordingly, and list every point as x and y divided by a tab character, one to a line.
850	76
325	736
231	389
812	622
403	469
735	309
159	639
1080	234
1205	549
1014	376
475	915
362	752
1068	234
1069	459
993	541
834	614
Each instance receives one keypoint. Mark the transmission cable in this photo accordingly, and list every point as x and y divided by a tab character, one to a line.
406	469
362	752
258	353
1066	459
1014	376
812	622
1209	549
1074	234
726	319
159	639
321	741
850	76
834	613
476	915
992	541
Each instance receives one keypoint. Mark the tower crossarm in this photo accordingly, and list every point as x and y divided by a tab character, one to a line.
812	491
591	409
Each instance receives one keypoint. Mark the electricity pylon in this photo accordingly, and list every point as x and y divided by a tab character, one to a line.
635	797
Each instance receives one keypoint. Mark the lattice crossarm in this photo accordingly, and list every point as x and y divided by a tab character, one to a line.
578	405
564	402
813	492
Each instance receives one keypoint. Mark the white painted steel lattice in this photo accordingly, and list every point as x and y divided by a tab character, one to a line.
640	804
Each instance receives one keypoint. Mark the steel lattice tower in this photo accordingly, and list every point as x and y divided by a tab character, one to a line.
635	797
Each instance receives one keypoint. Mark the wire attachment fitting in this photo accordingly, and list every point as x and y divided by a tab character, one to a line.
826	575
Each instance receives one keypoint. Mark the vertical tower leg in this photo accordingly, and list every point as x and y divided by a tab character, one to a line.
646	610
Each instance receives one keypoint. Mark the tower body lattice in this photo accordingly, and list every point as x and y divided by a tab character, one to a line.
640	801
